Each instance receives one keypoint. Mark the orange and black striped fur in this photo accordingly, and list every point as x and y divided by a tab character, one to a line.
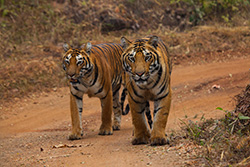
96	71
148	74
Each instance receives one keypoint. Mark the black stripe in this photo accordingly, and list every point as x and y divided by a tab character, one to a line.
143	88
116	81
162	89
148	114
116	48
156	110
125	64
96	74
154	69
126	110
162	97
115	107
89	72
157	57
78	98
166	113
106	94
119	46
108	46
135	92
150	82
80	110
114	93
124	92
164	80
102	51
142	110
149	117
134	99
88	61
159	77
100	90
164	83
76	88
123	96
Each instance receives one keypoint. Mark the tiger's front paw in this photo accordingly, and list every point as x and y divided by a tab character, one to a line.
140	140
105	131
158	141
75	136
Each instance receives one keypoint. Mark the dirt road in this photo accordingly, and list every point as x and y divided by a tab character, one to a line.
32	127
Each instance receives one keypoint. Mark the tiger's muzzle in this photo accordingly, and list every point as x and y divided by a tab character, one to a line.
140	78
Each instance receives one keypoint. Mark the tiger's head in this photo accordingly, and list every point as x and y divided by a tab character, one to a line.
141	59
77	62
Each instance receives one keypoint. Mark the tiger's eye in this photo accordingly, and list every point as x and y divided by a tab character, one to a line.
148	57
79	63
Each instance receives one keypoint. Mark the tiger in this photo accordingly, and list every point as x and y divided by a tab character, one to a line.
148	68
95	70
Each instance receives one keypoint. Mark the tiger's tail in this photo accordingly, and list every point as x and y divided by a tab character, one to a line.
148	115
123	97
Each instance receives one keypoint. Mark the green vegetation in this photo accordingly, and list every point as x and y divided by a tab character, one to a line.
225	9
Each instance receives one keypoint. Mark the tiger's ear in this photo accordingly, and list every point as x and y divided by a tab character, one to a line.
87	47
66	47
125	42
153	41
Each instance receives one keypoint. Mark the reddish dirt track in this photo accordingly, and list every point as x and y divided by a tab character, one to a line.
30	128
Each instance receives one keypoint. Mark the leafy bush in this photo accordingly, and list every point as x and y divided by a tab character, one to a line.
207	8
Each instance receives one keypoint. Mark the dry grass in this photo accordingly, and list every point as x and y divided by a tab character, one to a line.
31	47
225	142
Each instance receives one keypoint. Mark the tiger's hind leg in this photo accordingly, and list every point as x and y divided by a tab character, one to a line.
117	111
76	112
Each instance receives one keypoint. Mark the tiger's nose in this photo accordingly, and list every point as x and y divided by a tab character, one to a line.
140	73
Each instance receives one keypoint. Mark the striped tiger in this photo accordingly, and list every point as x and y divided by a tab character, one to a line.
95	70
148	69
